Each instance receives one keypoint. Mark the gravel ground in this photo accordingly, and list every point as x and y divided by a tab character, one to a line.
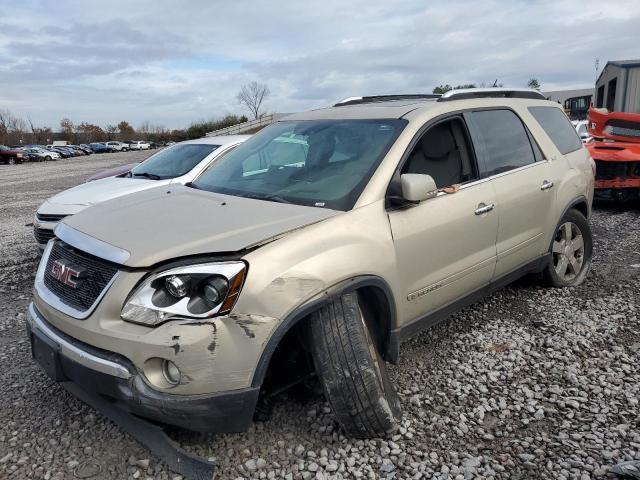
530	383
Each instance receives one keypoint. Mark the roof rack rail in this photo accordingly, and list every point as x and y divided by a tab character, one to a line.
385	98
466	93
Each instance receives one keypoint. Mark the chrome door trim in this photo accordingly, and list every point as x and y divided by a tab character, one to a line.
502	174
519	169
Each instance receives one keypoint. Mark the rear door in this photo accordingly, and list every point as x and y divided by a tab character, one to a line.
523	181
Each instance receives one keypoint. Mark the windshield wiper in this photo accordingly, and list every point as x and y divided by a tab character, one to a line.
265	196
150	176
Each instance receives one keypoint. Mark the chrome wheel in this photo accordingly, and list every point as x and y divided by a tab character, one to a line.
568	251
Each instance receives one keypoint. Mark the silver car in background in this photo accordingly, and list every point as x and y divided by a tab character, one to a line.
179	164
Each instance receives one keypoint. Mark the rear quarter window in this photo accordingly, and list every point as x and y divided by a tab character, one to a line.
556	124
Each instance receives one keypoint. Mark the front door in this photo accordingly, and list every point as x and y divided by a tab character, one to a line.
445	246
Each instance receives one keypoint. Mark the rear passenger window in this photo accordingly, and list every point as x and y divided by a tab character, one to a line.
556	124
506	141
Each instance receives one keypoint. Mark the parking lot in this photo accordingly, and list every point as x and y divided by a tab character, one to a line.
529	383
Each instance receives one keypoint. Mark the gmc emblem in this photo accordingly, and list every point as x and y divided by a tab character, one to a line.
65	274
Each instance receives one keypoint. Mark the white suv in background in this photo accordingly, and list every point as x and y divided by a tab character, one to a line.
179	164
139	145
117	146
582	128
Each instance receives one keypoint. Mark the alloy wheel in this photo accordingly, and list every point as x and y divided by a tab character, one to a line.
568	251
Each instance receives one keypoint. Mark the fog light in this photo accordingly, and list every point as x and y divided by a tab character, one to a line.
171	372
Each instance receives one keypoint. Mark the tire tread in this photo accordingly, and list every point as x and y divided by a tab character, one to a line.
346	368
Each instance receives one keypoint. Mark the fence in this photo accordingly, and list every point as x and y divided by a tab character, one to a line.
247	126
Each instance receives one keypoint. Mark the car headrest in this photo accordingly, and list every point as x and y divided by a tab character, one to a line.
321	147
438	142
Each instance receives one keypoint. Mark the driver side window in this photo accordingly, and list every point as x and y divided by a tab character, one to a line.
444	153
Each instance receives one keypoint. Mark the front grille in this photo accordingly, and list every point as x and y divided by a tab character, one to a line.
623	128
94	276
42	235
613	170
46	217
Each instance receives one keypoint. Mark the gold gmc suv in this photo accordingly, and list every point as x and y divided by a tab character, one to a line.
313	249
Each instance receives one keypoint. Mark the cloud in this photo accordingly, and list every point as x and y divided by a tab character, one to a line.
172	63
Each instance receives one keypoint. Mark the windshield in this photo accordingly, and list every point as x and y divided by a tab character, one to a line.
174	162
321	163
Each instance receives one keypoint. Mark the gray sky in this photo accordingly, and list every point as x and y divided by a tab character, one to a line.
173	62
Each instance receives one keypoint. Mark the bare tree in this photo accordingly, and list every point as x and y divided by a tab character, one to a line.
533	83
144	130
252	95
111	131
66	128
38	134
4	125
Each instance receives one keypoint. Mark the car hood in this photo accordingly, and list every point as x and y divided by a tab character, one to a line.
166	223
104	189
112	172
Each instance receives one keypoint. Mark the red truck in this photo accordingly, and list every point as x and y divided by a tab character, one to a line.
616	151
9	156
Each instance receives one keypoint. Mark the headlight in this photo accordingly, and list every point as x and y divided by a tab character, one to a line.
192	291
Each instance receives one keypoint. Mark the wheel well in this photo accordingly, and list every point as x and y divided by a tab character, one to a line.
378	316
291	360
582	207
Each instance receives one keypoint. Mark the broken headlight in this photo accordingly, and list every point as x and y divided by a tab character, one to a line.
191	291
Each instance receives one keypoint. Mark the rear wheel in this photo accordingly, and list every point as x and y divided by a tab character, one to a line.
350	368
11	161
571	251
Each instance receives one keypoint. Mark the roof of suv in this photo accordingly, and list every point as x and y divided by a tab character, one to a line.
386	106
384	109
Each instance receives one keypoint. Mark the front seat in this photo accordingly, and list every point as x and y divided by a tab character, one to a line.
437	155
321	148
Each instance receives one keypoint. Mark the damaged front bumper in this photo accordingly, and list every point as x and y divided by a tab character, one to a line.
617	166
116	379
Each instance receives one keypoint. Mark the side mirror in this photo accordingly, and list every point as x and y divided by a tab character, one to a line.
417	187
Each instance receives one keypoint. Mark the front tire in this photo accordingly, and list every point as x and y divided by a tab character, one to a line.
351	370
571	251
47	158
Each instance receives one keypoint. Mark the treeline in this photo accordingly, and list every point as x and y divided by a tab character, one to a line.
15	131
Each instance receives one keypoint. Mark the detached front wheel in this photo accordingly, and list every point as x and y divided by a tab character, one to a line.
351	370
571	251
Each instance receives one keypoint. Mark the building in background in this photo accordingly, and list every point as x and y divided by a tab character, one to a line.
575	102
618	86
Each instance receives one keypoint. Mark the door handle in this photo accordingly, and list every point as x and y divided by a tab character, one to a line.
546	185
483	208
